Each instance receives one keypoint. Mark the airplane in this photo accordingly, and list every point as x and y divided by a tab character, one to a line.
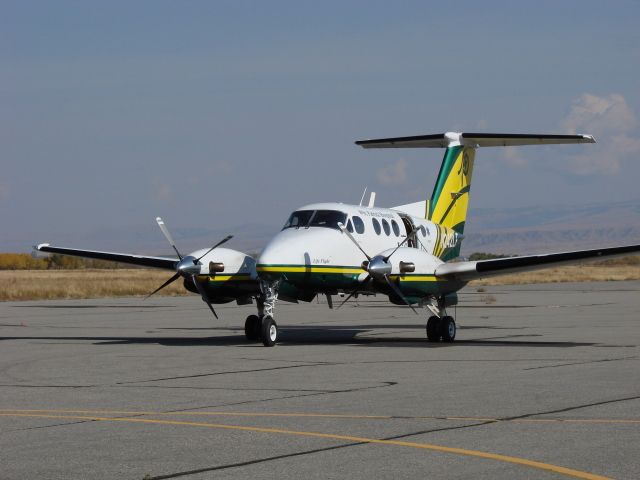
403	252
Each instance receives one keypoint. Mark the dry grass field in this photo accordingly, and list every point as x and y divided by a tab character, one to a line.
569	273
51	284
18	285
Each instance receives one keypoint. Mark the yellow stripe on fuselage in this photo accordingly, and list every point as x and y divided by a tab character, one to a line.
414	278
228	278
304	269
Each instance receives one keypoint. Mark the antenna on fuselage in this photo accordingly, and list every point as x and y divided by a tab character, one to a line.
363	194
372	200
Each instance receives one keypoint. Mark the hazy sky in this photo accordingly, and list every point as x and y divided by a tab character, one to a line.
226	113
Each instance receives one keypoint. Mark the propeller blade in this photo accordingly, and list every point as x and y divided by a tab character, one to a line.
357	290
225	239
171	280
412	232
167	235
329	301
203	295
395	288
355	242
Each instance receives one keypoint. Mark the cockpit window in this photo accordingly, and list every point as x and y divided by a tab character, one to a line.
328	219
299	219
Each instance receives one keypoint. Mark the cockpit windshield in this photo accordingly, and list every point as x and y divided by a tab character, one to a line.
316	218
299	219
328	218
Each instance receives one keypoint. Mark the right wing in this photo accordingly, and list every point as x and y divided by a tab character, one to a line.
141	260
467	271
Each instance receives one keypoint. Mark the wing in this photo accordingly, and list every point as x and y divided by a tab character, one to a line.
466	271
141	260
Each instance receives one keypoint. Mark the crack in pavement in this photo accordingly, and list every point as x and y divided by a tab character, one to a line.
262	400
284	367
569	409
582	363
298	454
253	462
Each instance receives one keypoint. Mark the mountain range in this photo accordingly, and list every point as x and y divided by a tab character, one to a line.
535	229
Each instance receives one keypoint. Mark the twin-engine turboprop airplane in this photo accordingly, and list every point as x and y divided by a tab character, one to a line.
330	248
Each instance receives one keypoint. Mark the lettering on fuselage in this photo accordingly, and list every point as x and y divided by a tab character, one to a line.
369	213
321	261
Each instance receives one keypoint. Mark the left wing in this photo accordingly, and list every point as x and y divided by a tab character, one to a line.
466	271
141	260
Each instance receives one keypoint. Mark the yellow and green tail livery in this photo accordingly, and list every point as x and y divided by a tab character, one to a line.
450	198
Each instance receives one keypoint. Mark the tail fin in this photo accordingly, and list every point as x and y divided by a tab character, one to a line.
449	201
450	198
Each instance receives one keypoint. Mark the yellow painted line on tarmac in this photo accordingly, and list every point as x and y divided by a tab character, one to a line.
424	446
334	415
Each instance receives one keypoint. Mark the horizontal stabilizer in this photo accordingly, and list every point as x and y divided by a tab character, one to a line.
466	271
416	209
449	139
141	260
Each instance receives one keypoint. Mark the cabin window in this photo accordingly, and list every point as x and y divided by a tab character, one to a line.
328	219
396	228
423	231
376	225
385	227
349	226
299	219
358	224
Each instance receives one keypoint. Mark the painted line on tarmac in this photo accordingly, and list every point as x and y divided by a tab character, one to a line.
338	415
424	446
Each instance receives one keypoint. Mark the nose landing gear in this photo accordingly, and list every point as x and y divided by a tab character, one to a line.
441	328
263	327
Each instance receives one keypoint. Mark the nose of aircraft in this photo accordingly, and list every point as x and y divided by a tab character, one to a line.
293	249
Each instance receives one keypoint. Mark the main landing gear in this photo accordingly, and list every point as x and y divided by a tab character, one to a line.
441	328
263	327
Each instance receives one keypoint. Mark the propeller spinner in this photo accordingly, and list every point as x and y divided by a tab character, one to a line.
378	268
187	267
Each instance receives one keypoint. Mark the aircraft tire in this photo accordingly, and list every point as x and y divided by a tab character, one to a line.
448	329
252	328
433	329
269	331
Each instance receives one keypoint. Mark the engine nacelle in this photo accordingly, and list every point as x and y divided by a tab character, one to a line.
413	272
226	275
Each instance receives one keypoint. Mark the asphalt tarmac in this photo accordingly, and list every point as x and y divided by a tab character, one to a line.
543	381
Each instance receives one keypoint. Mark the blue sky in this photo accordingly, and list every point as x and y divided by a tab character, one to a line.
226	113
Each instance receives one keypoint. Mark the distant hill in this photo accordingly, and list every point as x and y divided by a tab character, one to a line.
504	231
554	228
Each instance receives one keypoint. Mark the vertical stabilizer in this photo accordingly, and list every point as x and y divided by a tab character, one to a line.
448	204
449	201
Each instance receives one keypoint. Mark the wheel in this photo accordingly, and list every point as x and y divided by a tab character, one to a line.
252	328
433	329
269	331
448	329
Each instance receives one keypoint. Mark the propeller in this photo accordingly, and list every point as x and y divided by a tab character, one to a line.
187	267
378	268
